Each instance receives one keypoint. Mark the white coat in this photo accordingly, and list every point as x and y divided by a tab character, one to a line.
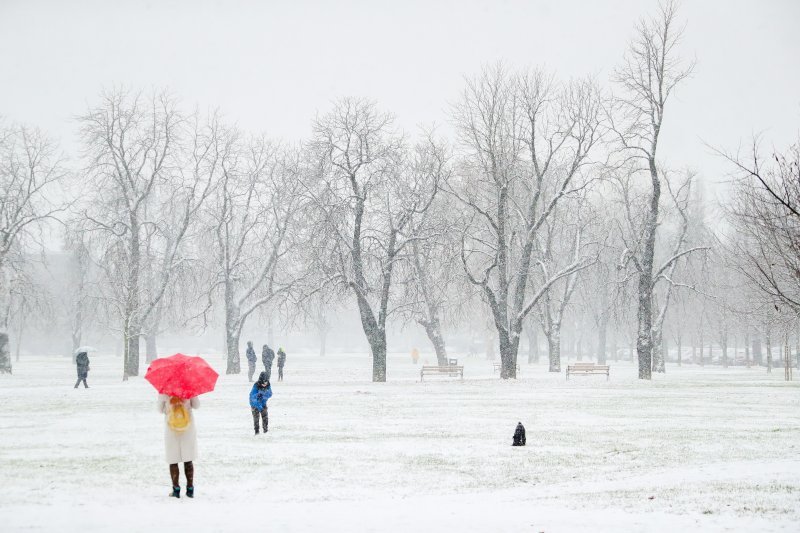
180	447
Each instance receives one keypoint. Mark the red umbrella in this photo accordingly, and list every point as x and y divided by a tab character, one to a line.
181	375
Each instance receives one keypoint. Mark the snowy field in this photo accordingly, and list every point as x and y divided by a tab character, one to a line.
697	449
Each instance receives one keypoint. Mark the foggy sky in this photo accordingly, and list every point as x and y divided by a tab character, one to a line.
270	66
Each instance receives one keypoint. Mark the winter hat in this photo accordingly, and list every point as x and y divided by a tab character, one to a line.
263	380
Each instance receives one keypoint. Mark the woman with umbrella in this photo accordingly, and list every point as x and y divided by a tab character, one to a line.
179	379
180	439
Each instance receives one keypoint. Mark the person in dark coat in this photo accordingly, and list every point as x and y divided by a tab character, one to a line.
259	394
251	361
82	362
519	435
281	362
267	356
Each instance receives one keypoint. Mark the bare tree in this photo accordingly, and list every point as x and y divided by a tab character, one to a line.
254	219
525	142
649	75
432	281
599	294
77	305
766	213
367	193
152	169
319	313
561	242
31	175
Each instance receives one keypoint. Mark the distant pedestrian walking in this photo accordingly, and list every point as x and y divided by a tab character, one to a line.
267	356
251	361
259	394
414	355
281	363
519	435
180	439
82	362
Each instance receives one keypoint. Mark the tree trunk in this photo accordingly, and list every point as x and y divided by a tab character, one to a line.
554	349
76	334
702	348
724	353
232	344
508	356
769	353
614	348
233	330
680	351
533	342
797	357
132	326
377	344
20	331
5	356
657	351
601	340
757	356
434	331
797	351
131	356
747	348
151	349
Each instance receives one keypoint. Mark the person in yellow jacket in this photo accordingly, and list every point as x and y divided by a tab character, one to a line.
414	355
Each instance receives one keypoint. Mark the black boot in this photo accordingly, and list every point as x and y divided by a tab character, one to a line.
190	492
176	492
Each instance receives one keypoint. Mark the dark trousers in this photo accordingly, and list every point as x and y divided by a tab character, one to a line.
188	470
268	370
251	369
280	373
79	382
264	418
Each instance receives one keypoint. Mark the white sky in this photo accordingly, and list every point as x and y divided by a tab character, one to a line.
271	65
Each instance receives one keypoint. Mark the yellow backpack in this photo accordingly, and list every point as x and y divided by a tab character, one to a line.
178	418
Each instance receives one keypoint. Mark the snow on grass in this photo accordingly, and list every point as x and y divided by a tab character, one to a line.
698	448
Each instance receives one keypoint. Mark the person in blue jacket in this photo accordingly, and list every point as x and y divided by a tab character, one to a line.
259	394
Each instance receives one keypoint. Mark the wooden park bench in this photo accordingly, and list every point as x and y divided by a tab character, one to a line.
449	370
497	366
587	369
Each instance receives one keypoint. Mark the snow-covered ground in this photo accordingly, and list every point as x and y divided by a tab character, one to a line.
697	449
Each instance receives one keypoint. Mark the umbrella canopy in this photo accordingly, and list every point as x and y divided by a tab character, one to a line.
85	349
181	375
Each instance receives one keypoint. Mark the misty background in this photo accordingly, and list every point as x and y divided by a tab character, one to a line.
274	68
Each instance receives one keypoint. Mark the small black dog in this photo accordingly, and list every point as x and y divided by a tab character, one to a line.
519	435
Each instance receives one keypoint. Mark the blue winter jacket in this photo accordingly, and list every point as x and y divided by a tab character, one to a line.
259	397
